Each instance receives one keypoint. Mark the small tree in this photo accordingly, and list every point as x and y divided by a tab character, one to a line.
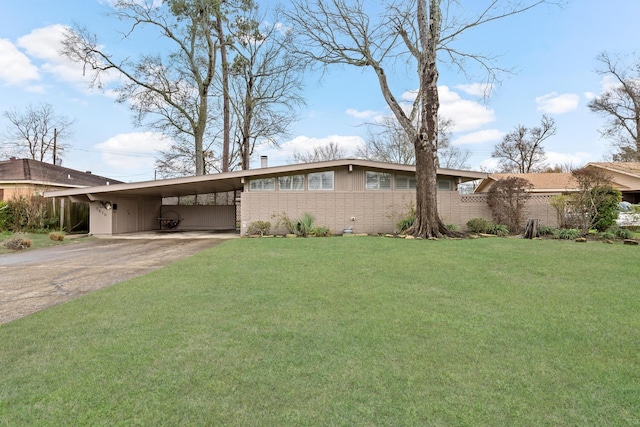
507	199
595	204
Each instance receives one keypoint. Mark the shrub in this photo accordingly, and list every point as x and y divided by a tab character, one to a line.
4	216
616	232
453	227
320	232
500	230
259	228
17	243
283	220
547	231
507	200
568	234
480	225
406	221
56	237
304	225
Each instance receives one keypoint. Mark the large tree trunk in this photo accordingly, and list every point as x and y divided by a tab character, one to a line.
427	223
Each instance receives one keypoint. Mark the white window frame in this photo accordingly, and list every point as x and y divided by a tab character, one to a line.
445	185
296	183
410	180
374	180
262	184
325	179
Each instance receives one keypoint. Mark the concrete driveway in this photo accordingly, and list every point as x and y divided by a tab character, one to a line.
33	280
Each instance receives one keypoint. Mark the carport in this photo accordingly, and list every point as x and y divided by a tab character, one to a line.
154	205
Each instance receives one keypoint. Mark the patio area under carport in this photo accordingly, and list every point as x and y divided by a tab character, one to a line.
157	208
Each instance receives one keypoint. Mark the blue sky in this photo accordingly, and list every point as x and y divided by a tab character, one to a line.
553	51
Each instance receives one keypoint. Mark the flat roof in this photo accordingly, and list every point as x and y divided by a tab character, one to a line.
232	181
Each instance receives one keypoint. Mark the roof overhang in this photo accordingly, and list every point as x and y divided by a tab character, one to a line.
234	181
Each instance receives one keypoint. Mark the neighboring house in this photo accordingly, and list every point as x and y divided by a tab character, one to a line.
27	177
367	196
543	183
624	176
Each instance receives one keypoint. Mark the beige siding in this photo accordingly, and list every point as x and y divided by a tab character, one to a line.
100	220
374	211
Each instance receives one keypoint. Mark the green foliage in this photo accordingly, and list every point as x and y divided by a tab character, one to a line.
17	243
4	215
27	213
547	231
616	232
406	221
259	228
304	225
453	227
568	234
320	232
608	199
561	204
480	225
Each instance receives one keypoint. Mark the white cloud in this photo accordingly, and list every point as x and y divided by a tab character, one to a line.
303	144
490	164
476	89
466	115
589	96
479	137
15	66
576	160
133	151
363	115
44	44
557	104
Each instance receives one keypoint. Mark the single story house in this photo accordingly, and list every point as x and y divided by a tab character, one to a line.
624	176
28	177
367	196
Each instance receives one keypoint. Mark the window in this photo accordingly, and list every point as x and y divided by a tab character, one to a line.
265	184
405	182
378	181
293	182
321	181
445	185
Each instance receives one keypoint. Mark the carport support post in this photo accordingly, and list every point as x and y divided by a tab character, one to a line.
62	214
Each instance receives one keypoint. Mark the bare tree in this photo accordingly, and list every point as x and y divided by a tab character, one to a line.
620	104
342	32
521	151
321	153
388	142
266	84
168	91
37	132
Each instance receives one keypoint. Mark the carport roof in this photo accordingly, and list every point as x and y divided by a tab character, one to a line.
230	181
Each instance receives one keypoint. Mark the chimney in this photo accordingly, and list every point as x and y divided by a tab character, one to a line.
264	161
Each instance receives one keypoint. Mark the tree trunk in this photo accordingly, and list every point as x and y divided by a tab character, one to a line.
225	96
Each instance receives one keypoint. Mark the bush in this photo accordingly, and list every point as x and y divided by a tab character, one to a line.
320	232
304	225
259	228
500	230
406	221
547	231
56	237
616	232
507	199
568	234
283	220
607	209
480	225
17	243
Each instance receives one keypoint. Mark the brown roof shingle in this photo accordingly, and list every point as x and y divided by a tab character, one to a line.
39	172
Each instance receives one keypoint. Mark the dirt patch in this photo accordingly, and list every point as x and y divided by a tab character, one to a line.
33	280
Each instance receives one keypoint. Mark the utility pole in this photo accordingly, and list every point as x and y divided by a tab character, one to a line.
55	140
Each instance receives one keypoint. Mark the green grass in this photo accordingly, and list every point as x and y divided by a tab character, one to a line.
344	332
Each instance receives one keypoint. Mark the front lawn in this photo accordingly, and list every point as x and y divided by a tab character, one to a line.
357	331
